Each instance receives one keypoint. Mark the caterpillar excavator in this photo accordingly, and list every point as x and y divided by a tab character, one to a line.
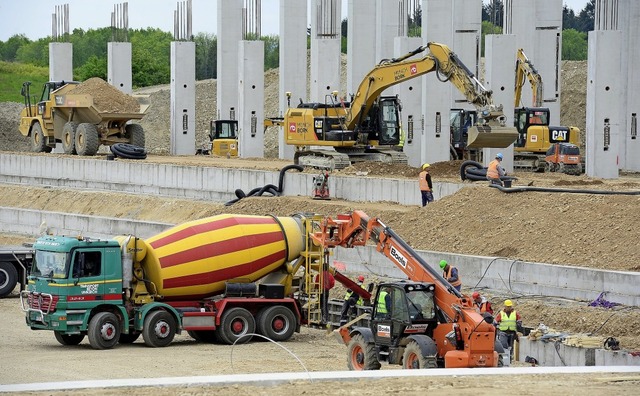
428	323
535	135
369	129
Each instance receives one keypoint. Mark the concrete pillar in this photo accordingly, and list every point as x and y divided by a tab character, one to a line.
60	62
466	41
629	15
183	98
293	62
410	93
500	56
251	99
119	66
229	34
604	100
391	22
361	50
325	49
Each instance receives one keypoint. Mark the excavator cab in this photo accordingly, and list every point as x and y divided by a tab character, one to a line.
382	123
460	120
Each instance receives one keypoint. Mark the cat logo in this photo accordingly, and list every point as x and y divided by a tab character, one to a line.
559	135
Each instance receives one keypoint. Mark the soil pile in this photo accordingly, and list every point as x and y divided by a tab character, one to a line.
10	136
106	97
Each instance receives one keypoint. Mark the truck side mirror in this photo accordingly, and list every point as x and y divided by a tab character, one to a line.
370	287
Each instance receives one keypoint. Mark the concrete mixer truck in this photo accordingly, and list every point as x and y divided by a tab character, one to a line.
221	278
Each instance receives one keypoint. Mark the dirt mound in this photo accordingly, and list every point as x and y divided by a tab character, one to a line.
10	137
106	97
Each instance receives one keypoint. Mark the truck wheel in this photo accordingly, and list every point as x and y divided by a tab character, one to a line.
87	139
38	141
8	278
135	134
128	338
413	358
68	339
236	323
104	330
362	355
277	323
159	329
69	137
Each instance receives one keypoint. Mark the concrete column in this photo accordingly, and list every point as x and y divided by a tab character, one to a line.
229	34
604	100
361	50
183	98
391	22
60	62
410	93
500	56
466	41
293	62
251	99
119	66
629	15
325	49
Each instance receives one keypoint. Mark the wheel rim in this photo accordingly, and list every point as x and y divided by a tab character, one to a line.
4	279
80	140
162	329
238	326
67	139
357	357
413	362
279	325
108	331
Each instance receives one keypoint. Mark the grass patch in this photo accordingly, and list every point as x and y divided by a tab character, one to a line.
12	75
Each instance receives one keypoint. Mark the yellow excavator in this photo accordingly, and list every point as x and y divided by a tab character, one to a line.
535	135
369	128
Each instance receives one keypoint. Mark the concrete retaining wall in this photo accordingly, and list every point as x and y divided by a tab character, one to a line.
558	354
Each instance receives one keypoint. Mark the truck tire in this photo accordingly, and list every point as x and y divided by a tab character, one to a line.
104	330
87	140
8	278
135	134
362	355
159	329
38	141
69	137
236	323
68	339
277	323
413	358
128	338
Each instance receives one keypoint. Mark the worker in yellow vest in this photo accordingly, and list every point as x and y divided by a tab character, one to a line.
509	322
383	304
351	299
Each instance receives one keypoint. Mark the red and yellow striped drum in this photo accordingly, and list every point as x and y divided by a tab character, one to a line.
195	259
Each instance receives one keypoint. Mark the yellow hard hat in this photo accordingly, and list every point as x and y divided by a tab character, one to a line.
425	166
508	303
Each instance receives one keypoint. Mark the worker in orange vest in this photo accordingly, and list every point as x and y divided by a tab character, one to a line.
495	171
481	304
451	274
426	187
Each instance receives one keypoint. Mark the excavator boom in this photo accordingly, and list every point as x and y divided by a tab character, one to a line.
526	70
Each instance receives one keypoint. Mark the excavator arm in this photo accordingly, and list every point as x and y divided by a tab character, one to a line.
526	70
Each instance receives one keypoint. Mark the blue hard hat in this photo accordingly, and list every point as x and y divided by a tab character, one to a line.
499	155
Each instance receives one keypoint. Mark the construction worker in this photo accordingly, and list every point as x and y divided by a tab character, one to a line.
328	282
426	187
383	305
351	299
481	303
451	274
509	321
495	171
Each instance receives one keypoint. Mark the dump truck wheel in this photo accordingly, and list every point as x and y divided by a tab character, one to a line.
159	329
362	355
69	137
128	338
135	134
277	323
68	339
8	278
87	140
38	142
104	330
235	326
413	358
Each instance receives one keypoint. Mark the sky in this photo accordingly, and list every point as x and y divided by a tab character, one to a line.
33	17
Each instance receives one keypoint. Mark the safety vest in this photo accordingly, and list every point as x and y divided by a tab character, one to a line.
424	185
482	307
447	275
382	305
492	171
507	322
348	296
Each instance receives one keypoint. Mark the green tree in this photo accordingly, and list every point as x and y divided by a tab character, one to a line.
34	52
206	56
93	67
488	28
150	57
9	49
271	51
574	45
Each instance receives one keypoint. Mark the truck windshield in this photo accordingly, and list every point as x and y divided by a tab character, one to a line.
421	304
50	264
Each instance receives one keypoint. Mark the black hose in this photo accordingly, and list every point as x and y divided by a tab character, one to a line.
562	190
269	188
474	171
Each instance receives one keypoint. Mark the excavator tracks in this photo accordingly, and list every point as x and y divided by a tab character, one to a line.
334	160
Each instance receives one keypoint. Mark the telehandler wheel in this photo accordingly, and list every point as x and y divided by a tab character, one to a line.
277	323
104	330
135	134
69	137
87	140
362	355
159	329
413	358
235	324
128	338
38	141
68	339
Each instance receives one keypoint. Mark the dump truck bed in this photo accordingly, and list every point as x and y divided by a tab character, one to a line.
84	109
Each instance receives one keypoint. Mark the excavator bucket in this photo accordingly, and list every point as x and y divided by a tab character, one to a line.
491	136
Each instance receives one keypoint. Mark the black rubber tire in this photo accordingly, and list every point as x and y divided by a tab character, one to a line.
128	338
68	339
69	137
38	142
159	329
135	134
415	358
235	324
206	336
277	323
104	330
128	151
87	140
362	355
8	278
